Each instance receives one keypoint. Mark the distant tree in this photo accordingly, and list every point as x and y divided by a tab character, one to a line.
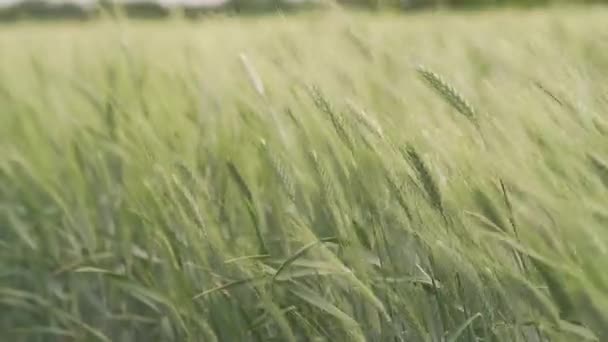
40	9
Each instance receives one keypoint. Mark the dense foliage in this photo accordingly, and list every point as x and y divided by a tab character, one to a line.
321	177
91	9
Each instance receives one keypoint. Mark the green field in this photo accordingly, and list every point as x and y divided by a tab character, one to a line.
321	177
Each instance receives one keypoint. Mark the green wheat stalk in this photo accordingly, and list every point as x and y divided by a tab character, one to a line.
448	93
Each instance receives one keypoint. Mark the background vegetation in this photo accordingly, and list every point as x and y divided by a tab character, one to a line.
322	177
90	9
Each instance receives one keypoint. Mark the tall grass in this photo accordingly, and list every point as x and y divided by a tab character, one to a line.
302	179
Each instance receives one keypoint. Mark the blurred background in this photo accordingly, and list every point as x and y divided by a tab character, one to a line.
11	10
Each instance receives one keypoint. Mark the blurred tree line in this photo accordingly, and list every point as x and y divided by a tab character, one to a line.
408	4
73	9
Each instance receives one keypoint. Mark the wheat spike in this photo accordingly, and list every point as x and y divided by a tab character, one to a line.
281	170
253	75
426	178
448	93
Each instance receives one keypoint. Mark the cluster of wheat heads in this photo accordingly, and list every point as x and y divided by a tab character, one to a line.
304	197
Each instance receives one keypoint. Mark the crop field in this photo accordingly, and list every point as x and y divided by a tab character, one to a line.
322	176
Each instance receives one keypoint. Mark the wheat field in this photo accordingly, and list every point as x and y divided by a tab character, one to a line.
330	176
